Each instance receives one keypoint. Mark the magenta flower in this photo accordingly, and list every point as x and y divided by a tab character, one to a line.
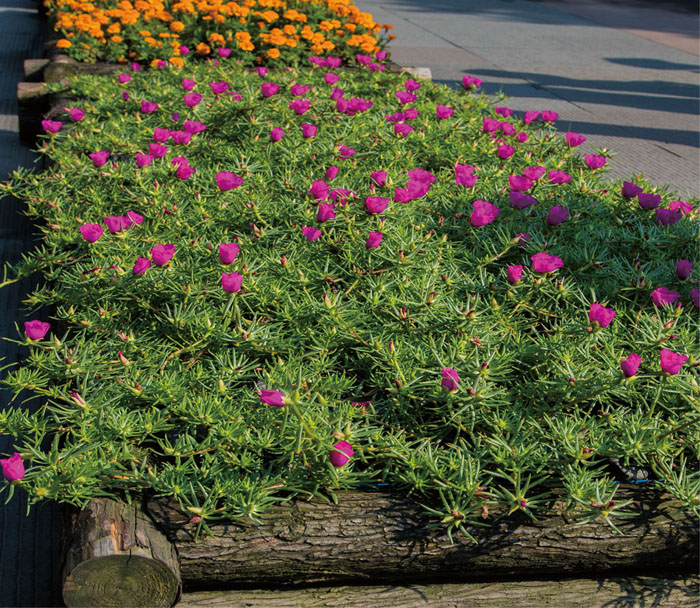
194	126
300	106
489	124
695	297
450	378
333	62
276	134
376	204
51	126
543	262
231	282
520	183
530	116
405	97
667	217
181	137
331	172
558	177
116	223
136	218
226	180
141	266
99	158
534	173
484	213
192	99
188	84
671	362
261	70
341	454
123	78
444	112
379	177
595	161
157	150
331	78
503	111
683	268
148	107
308	130
143	160
12	467
630	365
228	252
574	139
522	137
311	234
224	53
506	128
125	95
522	238
346	152
505	152
469	81
663	296
515	273
218	87
648	201
184	171
325	212
403	129
161	135
162	254
549	116
395	117
630	190
341	194
681	206
297	90
91	232
76	114
268	89
36	330
319	190
273	398
600	315
337	94
411	85
557	215
374	240
464	176
520	200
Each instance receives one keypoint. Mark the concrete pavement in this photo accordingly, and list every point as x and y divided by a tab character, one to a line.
621	72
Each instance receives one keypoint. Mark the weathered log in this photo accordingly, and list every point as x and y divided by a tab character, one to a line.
676	592
114	556
34	69
378	537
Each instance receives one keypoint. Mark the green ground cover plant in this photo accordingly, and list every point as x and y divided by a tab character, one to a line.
268	284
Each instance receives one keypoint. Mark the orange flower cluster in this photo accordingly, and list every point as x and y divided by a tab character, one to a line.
253	30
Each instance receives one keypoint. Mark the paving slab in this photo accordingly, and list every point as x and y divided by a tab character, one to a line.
624	73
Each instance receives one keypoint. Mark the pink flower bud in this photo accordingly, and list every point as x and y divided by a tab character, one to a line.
600	315
228	252
231	282
141	265
543	262
671	362
341	454
310	233
515	273
271	397
13	467
36	330
683	268
450	378
276	134
374	240
630	365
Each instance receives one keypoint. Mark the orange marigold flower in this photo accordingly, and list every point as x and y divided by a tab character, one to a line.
177	61
273	53
116	39
203	49
177	26
391	37
63	44
388	26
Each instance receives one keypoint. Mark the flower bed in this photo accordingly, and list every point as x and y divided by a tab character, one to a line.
270	283
163	31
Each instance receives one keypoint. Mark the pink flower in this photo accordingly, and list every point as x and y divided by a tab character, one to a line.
530	116
226	180
157	150
331	172
325	212
558	177
522	238
484	213
136	218
333	62
600	315
337	94
648	201
91	232
99	158
310	234
268	89
224	53
346	152
505	152
520	183
341	194
464	175
557	215
667	217
629	190
506	128
12	467
543	262
378	177
319	190
341	454
683	268
123	78
695	297
117	223
520	200
297	90
549	116
503	111
450	378
194	126
405	97
162	254
273	398
276	134
181	137
308	130
331	78
228	252
522	137
141	265
411	85
444	112
403	129
161	135
574	139
76	114
188	84
374	240
184	171
218	87
595	161
630	365
469	81
125	95
261	70
300	106
663	296
515	273
148	107
376	204
489	124
192	99
671	362
36	330
534	173
51	126
681	206
231	282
